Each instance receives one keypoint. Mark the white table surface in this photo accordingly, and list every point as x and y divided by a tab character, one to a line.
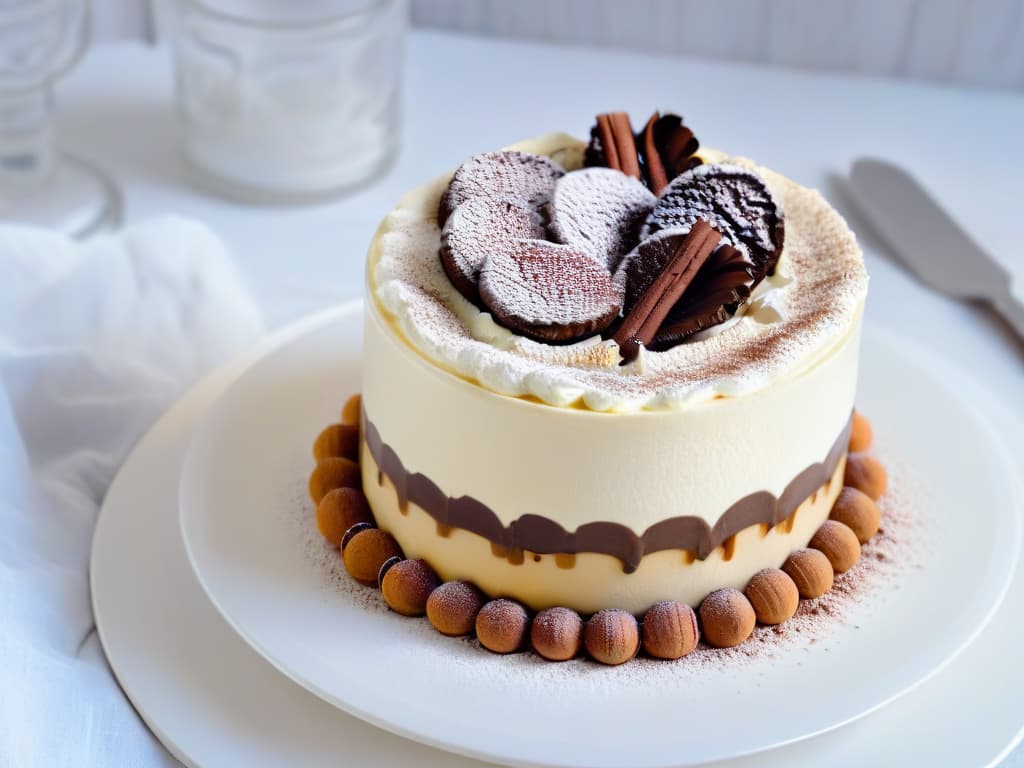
465	95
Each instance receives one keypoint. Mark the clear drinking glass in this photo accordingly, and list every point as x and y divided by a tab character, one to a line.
288	101
40	40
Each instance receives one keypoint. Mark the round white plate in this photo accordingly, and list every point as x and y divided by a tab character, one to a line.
247	527
213	701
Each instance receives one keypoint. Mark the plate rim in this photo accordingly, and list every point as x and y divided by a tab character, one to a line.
924	356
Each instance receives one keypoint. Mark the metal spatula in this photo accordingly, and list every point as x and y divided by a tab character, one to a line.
929	242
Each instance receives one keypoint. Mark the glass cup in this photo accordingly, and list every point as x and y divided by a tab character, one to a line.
40	40
288	102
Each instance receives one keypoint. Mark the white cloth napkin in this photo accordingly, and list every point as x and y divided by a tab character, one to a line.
96	341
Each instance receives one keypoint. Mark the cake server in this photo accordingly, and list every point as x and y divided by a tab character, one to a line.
929	242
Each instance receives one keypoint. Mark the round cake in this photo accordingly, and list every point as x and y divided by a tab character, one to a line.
608	374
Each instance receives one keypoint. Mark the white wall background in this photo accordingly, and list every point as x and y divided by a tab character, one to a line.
968	42
972	42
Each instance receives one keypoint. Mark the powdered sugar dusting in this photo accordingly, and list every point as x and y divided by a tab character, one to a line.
543	283
796	317
481	228
508	175
599	211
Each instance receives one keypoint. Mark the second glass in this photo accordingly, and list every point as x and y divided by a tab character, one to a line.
289	102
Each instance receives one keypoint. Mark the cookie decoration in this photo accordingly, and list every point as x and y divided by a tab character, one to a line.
549	292
519	177
599	211
735	201
480	228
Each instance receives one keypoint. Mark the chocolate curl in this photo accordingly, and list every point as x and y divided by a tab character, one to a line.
618	144
657	179
642	323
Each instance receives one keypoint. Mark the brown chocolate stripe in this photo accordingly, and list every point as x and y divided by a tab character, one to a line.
541	535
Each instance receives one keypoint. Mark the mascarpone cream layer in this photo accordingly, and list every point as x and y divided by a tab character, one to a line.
575	465
798	318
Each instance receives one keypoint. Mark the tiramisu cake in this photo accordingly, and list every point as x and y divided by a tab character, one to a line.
610	379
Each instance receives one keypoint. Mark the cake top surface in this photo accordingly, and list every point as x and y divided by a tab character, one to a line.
515	343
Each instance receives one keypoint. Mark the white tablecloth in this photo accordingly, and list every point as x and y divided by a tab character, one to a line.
95	342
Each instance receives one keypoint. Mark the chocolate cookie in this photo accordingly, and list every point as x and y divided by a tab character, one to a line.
735	201
477	229
511	175
599	211
549	292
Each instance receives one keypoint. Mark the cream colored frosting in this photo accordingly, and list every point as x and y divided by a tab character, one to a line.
796	318
575	465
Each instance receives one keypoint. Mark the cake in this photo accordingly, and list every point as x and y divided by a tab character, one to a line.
613	377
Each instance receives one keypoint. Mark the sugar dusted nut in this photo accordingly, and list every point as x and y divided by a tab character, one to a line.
339	510
727	618
557	633
453	606
333	472
838	543
347	536
773	595
501	626
350	411
867	474
855	509
860	433
612	636
365	552
670	630
811	571
407	585
337	440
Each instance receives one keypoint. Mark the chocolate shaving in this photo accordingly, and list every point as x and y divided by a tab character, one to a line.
612	144
676	144
664	149
654	169
640	326
667	150
723	283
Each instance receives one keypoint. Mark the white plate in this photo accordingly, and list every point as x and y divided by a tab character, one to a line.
246	524
212	701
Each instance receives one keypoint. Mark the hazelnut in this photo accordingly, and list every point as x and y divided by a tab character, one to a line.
727	618
501	626
350	411
867	474
453	606
365	552
333	472
407	585
670	630
773	596
339	510
811	571
557	633
337	440
860	433
838	543
855	509
612	636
